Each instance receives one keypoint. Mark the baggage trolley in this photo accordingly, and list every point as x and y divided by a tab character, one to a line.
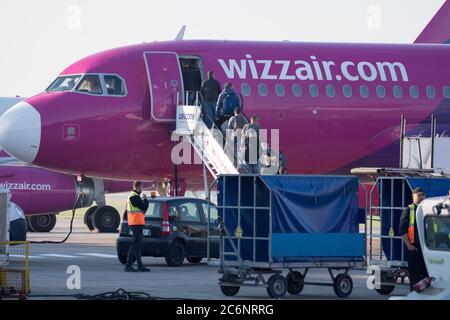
253	251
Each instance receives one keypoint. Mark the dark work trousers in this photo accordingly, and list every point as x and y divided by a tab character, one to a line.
416	267
135	250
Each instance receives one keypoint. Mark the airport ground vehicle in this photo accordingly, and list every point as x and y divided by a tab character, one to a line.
433	224
175	228
282	226
386	251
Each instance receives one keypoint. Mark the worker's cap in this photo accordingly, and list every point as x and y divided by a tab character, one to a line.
418	191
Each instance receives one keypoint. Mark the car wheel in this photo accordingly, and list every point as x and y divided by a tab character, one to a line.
123	257
106	219
176	254
42	223
230	291
194	260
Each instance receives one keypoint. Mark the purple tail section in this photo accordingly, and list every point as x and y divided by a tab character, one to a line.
438	29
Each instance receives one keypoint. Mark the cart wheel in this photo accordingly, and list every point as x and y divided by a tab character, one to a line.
295	282
343	285
230	291
386	289
276	286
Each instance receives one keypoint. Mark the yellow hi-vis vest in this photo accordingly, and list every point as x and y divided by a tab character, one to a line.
135	215
412	221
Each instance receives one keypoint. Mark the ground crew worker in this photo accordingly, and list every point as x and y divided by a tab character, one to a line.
136	208
408	229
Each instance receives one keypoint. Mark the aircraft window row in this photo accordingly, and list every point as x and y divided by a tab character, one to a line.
95	84
347	91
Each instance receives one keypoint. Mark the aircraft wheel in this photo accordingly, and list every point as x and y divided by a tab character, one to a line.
88	218
106	219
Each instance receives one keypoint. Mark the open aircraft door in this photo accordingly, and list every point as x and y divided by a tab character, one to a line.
166	84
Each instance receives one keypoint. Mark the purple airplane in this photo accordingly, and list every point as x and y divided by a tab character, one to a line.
337	105
41	194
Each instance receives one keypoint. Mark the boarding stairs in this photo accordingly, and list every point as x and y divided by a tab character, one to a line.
207	143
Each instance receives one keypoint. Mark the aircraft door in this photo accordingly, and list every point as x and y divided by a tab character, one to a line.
166	84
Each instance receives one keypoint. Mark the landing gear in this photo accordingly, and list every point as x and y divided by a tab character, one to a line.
42	223
88	218
106	219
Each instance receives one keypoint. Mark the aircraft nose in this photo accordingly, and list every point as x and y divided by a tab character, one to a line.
20	131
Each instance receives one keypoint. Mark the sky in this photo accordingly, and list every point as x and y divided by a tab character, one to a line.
39	38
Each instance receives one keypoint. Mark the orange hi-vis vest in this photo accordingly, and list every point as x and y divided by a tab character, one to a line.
412	221
135	215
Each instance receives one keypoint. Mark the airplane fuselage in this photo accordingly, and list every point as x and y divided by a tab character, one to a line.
337	106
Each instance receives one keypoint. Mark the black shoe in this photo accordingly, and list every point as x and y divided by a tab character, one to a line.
143	269
130	269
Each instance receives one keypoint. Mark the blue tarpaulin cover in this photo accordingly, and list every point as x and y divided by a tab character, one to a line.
312	216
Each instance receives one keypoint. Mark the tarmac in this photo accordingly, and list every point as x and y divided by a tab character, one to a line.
100	271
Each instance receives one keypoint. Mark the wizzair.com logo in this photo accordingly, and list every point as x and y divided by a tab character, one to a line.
25	186
313	69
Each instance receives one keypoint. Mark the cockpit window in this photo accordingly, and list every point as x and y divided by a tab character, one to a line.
64	83
90	84
114	85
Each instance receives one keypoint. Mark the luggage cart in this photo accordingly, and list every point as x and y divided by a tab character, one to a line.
389	196
253	250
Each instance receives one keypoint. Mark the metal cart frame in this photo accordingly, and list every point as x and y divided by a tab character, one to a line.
254	273
390	272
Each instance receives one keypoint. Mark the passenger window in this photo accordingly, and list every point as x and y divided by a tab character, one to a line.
381	91
64	83
189	212
313	90
414	92
245	89
154	210
431	92
262	90
297	90
279	89
90	84
347	90
213	214
331	92
114	85
397	91
363	91
447	92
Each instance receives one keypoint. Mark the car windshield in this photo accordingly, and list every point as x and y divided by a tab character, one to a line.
64	83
